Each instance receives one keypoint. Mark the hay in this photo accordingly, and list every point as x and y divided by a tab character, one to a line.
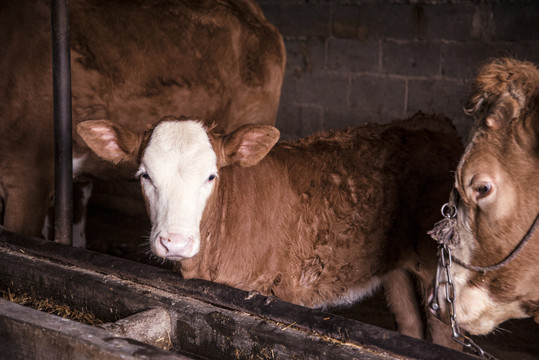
50	306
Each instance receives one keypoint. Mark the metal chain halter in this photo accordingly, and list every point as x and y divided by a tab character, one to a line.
445	233
444	262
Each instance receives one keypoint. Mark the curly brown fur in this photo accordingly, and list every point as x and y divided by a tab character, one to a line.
501	90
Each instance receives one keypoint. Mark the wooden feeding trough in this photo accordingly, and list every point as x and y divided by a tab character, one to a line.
198	319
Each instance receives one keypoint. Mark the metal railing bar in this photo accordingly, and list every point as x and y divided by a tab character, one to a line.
63	164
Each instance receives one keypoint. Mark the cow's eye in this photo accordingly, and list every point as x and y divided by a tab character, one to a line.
143	175
482	189
211	177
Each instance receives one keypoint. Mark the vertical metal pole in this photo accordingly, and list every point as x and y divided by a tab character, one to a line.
63	164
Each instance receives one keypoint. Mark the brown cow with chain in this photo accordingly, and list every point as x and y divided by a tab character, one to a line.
492	220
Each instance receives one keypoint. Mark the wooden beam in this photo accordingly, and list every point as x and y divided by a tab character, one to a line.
26	333
210	320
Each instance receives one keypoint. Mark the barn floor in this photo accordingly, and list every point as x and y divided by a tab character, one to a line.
118	225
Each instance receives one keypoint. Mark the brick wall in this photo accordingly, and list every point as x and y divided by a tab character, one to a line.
351	62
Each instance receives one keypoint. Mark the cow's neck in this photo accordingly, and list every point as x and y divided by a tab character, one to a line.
245	202
211	229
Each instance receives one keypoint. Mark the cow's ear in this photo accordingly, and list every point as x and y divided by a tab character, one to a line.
249	144
111	142
504	110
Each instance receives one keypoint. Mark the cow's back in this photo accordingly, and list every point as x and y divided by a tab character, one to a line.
214	60
373	194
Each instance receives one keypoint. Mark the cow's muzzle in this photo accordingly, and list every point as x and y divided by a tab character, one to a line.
175	246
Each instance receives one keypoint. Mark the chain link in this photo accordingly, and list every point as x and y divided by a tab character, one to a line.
444	233
445	262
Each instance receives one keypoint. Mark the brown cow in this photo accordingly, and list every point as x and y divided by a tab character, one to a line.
131	61
496	201
320	222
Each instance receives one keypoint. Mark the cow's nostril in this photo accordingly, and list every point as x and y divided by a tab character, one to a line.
163	243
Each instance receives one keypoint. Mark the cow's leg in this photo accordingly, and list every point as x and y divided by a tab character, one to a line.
2	207
441	332
26	205
402	301
81	195
47	232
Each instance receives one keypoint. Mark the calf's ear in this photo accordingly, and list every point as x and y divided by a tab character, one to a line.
111	142
249	144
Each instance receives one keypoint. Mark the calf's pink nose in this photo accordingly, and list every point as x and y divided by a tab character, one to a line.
176	245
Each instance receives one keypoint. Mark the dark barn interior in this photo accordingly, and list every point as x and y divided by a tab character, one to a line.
352	62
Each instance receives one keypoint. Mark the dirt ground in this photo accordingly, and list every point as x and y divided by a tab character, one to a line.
118	225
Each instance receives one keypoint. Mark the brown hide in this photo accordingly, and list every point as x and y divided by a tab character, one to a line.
492	220
132	63
323	220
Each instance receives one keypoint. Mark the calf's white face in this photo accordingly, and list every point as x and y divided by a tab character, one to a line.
177	173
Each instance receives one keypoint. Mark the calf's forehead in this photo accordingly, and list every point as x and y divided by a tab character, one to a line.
175	145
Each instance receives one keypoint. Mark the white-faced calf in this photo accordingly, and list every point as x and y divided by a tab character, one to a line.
320	222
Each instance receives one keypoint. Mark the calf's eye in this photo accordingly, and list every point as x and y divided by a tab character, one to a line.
211	178
145	176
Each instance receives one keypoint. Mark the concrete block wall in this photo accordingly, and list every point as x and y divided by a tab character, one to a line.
351	62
